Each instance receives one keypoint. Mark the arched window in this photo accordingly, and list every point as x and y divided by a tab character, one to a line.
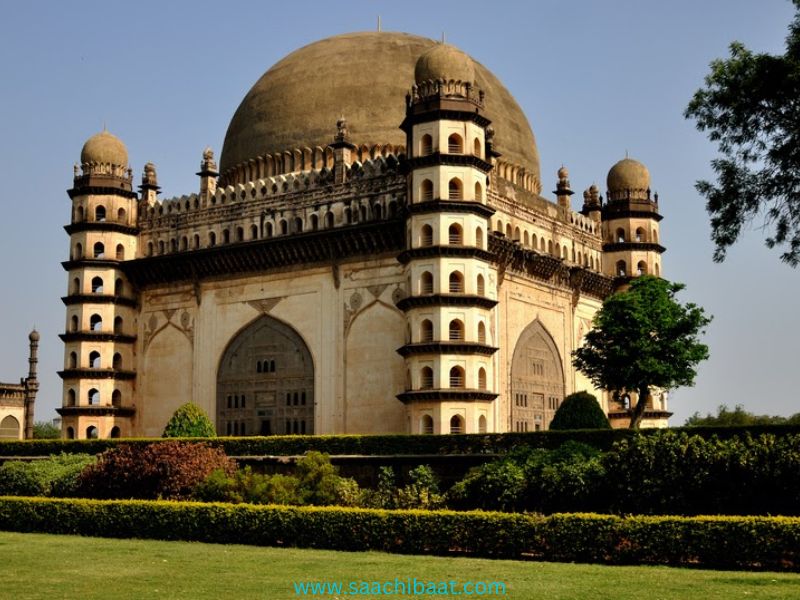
97	285
377	212
100	213
481	286
456	330
658	270
116	398
549	246
329	220
456	424
212	238
119	287
456	283
426	145
456	377
117	362
70	433
99	250
73	360
121	251
516	234
76	286
298	225
149	248
526	239
622	268
481	333
78	252
426	190
91	432
564	252
455	235
476	147
253	232
114	432
655	236
640	235
226	236
426	283
284	227
314	222
173	245
542	245
122	216
426	424
499	227
455	189
479	237
79	214
73	325
455	145
426	238
71	399
240	234
348	215
93	397
641	268
95	322
478	192
481	378
509	231
118	325
94	360
620	235
426	378
426	331
534	241
482	424
161	247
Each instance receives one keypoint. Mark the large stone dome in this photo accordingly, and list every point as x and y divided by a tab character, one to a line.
363	77
104	148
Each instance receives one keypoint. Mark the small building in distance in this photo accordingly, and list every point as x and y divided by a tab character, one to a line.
17	400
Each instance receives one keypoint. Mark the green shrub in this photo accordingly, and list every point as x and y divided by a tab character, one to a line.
706	542
167	470
498	485
54	476
189	421
44	430
580	411
422	491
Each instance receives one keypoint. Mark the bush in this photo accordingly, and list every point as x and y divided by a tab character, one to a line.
580	411
54	476
167	470
189	421
43	430
700	542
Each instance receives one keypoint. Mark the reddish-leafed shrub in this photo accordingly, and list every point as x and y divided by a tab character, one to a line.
167	470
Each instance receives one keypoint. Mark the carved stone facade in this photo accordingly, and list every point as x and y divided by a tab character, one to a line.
404	276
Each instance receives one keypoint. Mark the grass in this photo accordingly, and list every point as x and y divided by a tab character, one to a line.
54	566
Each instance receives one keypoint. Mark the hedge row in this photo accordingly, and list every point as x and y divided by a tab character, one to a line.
712	542
382	445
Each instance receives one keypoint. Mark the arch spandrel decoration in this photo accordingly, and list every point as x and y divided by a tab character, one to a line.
265	382
537	380
10	428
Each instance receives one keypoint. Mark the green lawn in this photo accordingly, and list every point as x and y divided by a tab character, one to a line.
51	566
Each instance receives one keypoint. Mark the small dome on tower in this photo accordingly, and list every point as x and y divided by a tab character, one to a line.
104	148
563	173
628	174
34	336
444	61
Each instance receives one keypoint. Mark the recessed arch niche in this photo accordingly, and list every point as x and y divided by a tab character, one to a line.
265	401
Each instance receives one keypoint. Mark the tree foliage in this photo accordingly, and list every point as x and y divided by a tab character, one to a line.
44	430
750	108
189	420
643	338
580	410
737	417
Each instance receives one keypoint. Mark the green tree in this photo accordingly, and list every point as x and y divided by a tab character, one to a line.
580	411
189	421
750	108
44	430
738	416
643	338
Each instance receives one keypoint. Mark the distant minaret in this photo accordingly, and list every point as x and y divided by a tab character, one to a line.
31	383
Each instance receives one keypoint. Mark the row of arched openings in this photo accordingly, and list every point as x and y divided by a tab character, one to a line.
455	190
457	424
455	283
641	269
456	378
455	235
93	398
98	286
640	235
455	331
455	145
92	433
98	251
100	214
94	360
95	324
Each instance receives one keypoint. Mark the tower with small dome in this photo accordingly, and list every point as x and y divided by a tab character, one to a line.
372	253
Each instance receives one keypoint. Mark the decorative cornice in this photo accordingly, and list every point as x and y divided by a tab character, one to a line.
100	191
97	374
465	300
427	111
96	411
440	205
447	347
445	395
437	159
312	248
100	226
93	336
641	246
445	252
610	212
99	299
83	263
648	414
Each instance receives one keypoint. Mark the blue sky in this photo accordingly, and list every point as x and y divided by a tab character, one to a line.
595	79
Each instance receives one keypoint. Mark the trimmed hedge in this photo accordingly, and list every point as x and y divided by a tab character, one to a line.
712	542
388	445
